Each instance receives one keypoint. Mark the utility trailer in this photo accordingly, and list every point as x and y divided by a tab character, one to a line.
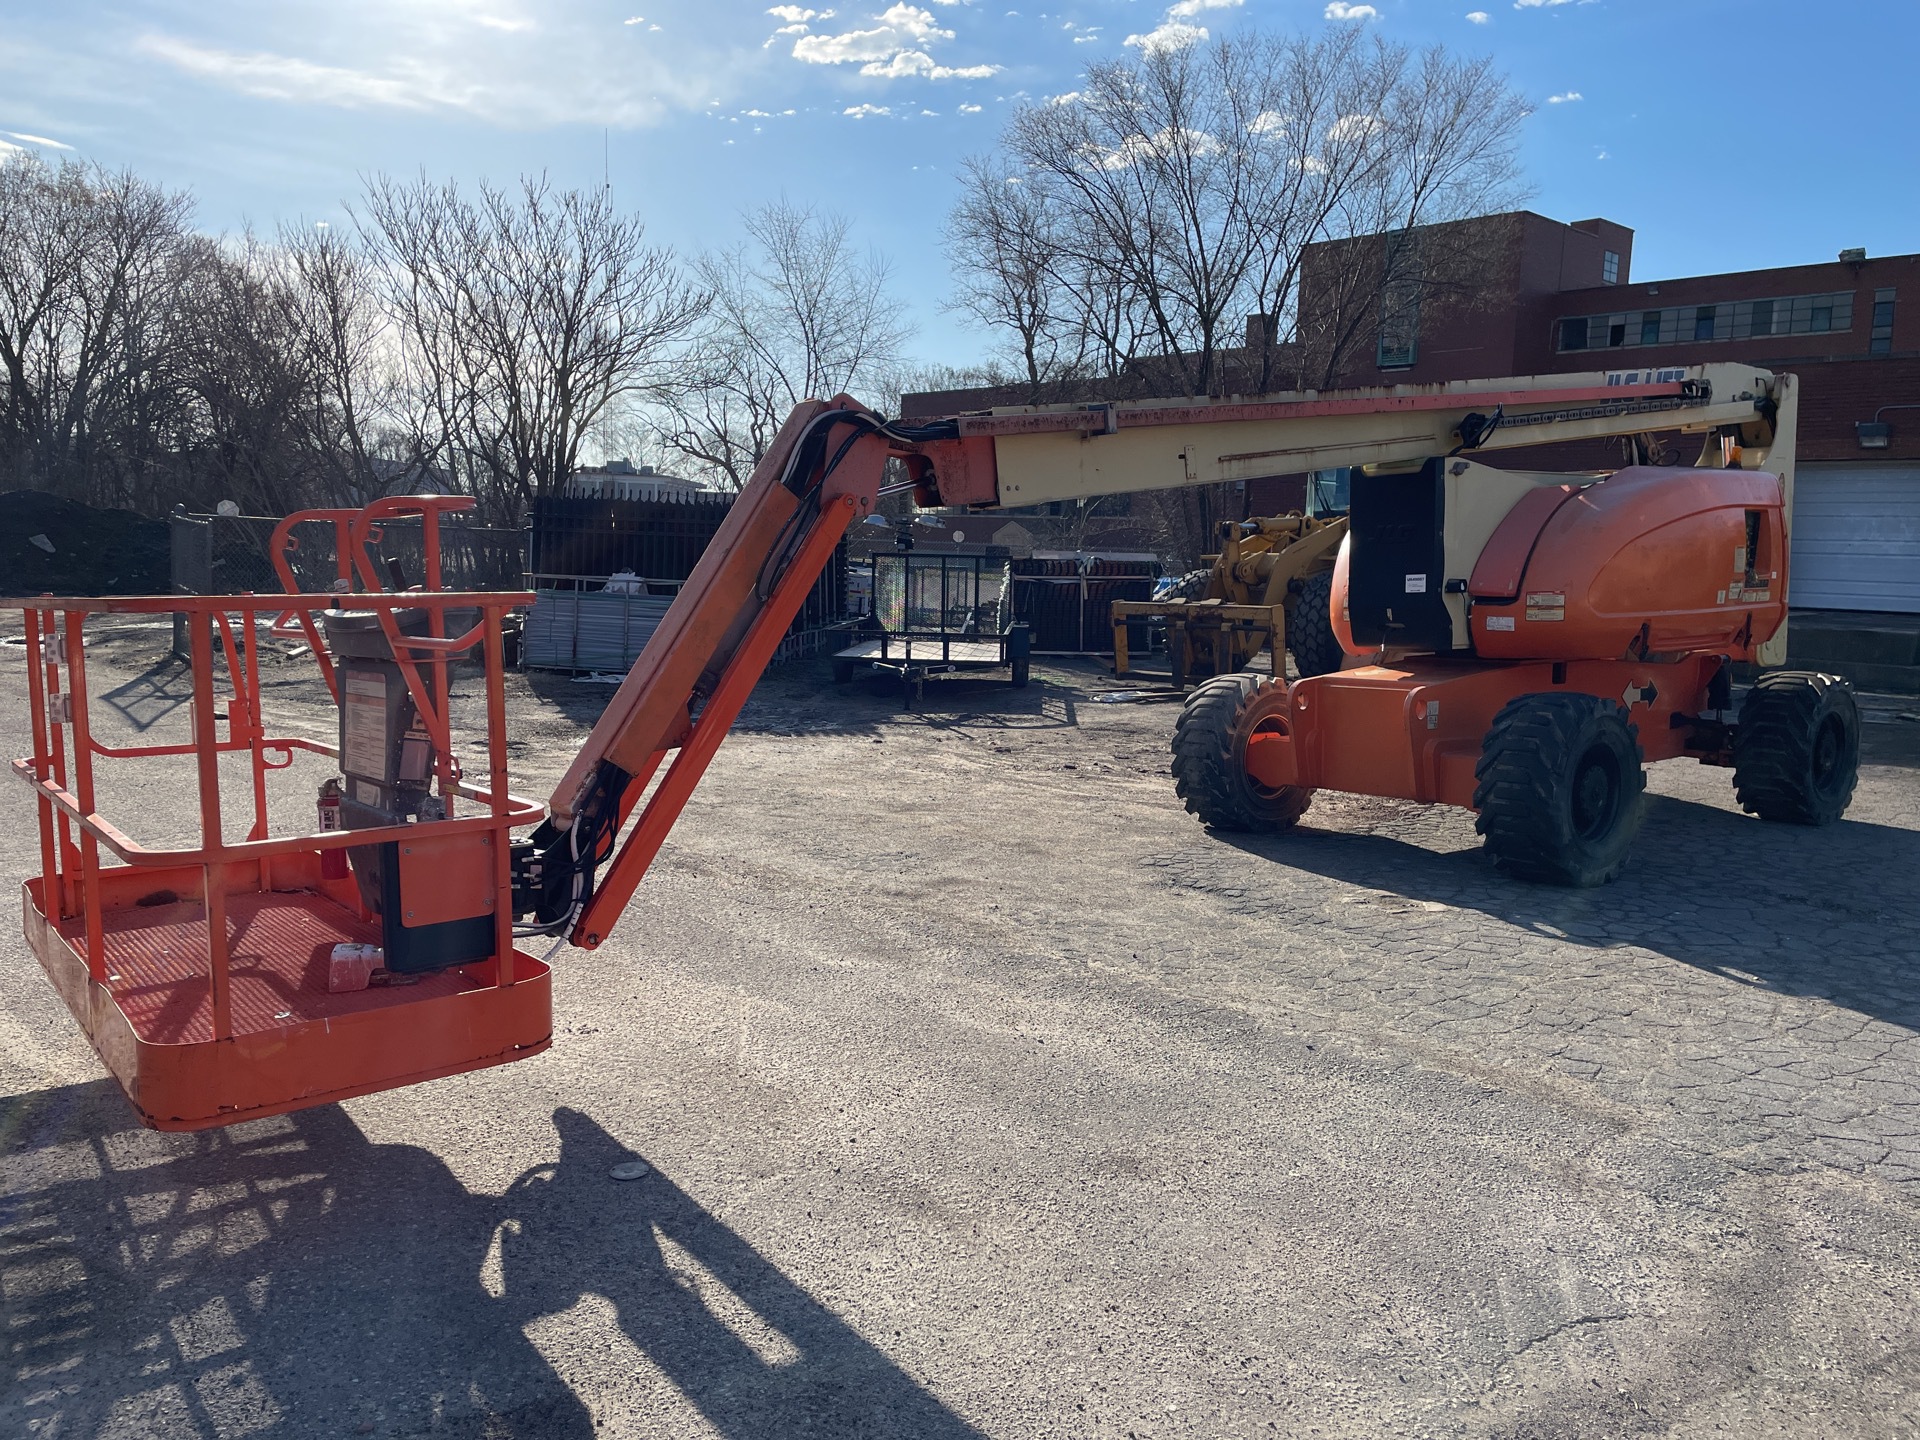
936	614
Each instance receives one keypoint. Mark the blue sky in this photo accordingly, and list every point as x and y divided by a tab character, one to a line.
1729	134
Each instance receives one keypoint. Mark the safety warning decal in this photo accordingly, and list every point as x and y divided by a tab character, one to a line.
1416	584
1499	622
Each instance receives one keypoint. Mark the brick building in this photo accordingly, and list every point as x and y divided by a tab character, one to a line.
1563	297
1541	296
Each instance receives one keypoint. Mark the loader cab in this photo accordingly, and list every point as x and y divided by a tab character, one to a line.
1329	492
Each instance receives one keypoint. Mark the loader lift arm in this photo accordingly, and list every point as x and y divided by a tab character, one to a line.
824	471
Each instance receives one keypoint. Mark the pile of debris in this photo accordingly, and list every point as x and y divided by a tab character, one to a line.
53	546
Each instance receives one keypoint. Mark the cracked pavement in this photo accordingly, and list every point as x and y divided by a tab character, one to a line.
988	1095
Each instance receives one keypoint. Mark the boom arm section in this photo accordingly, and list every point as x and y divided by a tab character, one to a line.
824	471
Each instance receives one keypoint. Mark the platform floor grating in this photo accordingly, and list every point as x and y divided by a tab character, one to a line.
156	960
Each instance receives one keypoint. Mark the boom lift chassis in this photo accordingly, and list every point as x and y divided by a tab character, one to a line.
194	970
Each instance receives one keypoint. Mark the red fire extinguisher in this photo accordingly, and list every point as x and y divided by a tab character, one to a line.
333	863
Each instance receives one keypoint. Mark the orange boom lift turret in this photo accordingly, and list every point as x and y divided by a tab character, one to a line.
1518	643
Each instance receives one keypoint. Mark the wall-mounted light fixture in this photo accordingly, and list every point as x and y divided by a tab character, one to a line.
1875	434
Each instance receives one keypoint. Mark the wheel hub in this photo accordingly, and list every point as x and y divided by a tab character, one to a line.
1596	794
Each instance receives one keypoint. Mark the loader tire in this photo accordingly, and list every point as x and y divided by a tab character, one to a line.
1209	756
1191	586
1560	789
1316	649
1796	751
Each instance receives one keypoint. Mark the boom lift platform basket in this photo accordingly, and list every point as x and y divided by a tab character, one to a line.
200	972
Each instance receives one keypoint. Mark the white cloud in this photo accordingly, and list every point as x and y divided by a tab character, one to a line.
285	77
1166	142
34	140
1086	39
969	109
861	112
1353	127
560	74
893	50
502	22
1341	10
903	27
1186	9
915	62
1538	4
1169	35
1565	99
927	112
1267	122
1066	99
1602	155
1478	17
792	14
635	20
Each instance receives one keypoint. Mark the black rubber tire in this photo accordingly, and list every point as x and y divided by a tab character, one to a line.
1020	667
1561	789
1316	649
1796	751
1190	586
1209	750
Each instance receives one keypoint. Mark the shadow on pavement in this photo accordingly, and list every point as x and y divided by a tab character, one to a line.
287	1277
154	694
1827	912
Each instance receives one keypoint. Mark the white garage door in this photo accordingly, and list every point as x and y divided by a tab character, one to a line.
1856	538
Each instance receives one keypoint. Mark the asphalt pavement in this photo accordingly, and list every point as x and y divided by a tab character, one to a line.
981	1093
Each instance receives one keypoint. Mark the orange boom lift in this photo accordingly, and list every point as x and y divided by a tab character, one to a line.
1519	643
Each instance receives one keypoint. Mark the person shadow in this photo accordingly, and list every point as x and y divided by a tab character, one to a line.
755	1353
291	1277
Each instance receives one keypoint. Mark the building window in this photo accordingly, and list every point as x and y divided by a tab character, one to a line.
1880	340
1610	267
1728	321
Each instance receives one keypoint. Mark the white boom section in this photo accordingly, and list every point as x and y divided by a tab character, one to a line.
1064	452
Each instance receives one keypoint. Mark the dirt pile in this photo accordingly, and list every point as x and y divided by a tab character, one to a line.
94	552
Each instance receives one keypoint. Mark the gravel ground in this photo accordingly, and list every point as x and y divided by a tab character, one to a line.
985	1094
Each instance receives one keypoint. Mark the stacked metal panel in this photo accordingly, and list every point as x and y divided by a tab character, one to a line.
590	629
1067	603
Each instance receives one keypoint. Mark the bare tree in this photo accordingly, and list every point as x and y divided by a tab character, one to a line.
352	385
795	312
523	317
86	256
1175	196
